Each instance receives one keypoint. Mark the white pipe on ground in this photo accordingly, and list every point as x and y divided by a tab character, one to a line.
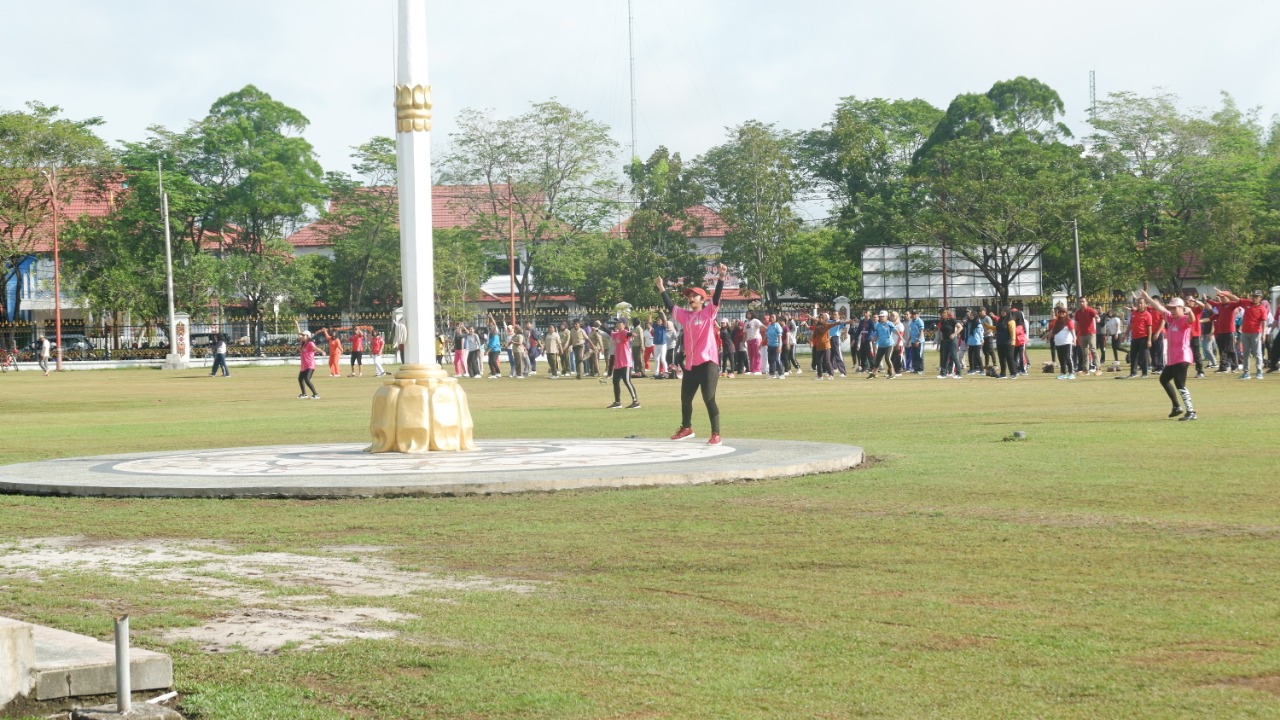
123	681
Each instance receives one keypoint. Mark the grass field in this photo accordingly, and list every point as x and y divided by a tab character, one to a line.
1115	564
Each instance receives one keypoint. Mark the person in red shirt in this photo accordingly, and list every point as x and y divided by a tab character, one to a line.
357	353
1139	340
1086	337
1157	339
1253	326
1224	331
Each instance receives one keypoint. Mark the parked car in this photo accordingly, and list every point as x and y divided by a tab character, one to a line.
71	342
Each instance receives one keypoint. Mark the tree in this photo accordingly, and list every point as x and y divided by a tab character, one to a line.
261	180
997	186
815	267
1187	191
459	269
117	261
863	158
37	146
363	225
751	181
657	236
999	189
547	171
1022	106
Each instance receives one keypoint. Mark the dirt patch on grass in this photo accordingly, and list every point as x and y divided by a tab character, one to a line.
1192	656
286	600
1262	683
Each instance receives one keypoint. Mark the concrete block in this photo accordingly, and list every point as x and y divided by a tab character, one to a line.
17	656
71	665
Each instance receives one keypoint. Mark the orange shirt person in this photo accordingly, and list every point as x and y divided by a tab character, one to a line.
335	352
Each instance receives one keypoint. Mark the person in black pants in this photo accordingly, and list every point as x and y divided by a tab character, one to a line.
1006	328
701	371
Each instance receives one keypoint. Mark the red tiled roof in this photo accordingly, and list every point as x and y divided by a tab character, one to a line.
738	295
452	206
712	224
88	199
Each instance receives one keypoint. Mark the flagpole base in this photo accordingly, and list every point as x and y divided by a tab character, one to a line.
421	410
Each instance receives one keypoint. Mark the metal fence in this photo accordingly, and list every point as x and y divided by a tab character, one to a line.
97	341
276	335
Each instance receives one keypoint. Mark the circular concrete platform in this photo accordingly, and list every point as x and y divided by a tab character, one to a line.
496	466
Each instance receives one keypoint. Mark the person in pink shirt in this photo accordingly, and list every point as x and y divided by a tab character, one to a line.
1173	378
307	353
621	338
701	357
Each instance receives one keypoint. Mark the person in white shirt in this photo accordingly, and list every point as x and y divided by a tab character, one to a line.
44	355
1113	334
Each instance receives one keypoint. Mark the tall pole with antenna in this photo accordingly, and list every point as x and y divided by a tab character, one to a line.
1093	94
631	49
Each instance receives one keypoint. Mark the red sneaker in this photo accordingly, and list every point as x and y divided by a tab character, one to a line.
715	439
683	433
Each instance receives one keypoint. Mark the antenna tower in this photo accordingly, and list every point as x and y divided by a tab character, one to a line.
1093	93
631	48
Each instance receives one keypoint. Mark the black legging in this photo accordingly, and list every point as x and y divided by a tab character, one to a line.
975	357
1008	367
1066	359
702	376
304	381
494	368
791	363
882	356
622	376
1174	376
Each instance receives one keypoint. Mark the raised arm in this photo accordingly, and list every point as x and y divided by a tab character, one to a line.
1160	308
666	296
721	273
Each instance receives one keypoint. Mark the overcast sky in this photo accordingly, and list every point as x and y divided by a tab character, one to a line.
701	65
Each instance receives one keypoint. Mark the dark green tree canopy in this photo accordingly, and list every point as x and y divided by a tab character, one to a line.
751	181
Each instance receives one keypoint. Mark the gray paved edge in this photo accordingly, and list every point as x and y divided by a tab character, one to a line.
750	460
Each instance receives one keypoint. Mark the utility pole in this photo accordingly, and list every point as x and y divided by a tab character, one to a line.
52	176
168	261
511	247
